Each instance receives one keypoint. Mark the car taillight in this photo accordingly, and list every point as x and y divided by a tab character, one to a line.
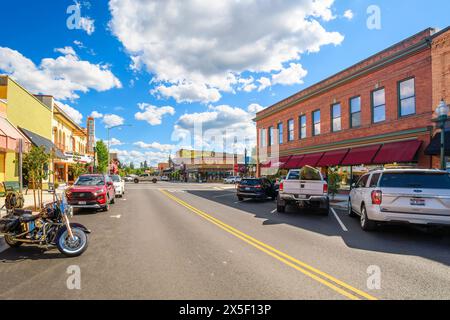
281	186
377	197
258	186
325	188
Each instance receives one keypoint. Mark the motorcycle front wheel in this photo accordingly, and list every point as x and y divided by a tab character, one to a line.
72	247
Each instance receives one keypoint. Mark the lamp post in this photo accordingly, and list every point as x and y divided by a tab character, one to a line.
109	142
442	113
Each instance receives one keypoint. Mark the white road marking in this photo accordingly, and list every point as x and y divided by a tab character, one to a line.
273	211
225	195
339	220
117	217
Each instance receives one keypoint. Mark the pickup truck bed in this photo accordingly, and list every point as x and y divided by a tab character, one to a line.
305	188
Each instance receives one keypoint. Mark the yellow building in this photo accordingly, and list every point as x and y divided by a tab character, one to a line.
21	110
72	140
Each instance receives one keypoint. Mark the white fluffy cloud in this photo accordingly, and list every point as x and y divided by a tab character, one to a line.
255	108
62	77
111	120
152	114
114	142
156	146
152	158
73	113
294	74
198	49
96	115
348	14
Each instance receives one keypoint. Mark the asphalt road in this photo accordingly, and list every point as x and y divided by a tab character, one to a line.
187	241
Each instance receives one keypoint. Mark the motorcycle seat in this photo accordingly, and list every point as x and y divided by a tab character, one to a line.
19	212
28	218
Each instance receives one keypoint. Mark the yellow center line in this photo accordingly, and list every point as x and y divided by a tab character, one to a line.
314	273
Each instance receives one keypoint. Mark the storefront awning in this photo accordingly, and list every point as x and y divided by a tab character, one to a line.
310	160
434	148
266	164
40	141
10	137
292	163
403	151
362	155
332	158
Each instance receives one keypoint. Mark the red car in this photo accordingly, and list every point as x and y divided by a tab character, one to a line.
92	191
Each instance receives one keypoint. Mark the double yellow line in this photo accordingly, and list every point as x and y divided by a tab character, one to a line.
314	273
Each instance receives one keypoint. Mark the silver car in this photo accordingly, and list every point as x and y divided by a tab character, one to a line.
414	196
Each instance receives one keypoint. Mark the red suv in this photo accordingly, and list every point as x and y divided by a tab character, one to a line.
92	191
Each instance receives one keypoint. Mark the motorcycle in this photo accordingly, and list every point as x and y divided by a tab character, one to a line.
50	228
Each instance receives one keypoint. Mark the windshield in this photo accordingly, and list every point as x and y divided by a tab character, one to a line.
90	181
251	182
115	178
421	180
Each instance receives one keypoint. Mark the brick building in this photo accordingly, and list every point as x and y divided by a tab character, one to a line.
377	112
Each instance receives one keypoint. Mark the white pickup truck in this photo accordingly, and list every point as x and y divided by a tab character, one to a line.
306	188
147	178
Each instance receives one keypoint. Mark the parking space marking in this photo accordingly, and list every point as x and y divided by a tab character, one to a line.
273	211
339	220
225	195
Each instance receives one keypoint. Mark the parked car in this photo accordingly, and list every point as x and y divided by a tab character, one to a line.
252	188
164	178
146	177
129	178
92	191
305	187
232	180
413	196
119	185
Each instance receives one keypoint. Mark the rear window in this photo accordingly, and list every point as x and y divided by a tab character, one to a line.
294	175
418	180
250	182
309	173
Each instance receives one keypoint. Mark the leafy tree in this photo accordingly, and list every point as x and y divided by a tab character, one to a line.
78	168
102	156
35	163
334	180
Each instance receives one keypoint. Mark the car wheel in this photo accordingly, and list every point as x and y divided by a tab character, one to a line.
366	223
106	208
113	200
240	199
136	181
350	211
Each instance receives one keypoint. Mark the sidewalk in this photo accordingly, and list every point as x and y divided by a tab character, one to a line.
340	200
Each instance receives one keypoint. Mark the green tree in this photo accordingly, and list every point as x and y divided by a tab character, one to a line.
334	180
35	163
78	168
102	156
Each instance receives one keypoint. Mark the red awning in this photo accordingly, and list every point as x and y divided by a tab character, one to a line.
292	163
363	155
283	161
310	160
403	151
332	158
266	164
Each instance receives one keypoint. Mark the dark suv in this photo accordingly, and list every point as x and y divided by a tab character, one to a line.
252	188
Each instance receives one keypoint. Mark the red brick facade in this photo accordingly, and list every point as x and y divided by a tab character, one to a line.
424	57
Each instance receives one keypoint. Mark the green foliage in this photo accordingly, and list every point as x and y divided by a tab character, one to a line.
78	168
102	156
334	180
34	164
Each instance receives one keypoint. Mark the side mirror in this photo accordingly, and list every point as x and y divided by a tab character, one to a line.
353	186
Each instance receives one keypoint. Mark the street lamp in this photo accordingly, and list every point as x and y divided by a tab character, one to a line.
442	113
109	142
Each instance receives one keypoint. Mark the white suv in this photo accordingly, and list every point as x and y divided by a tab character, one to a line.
413	196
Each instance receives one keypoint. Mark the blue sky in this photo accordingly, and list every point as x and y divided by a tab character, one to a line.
194	62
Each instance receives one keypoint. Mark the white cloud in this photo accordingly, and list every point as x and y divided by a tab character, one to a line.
348	14
198	49
255	108
294	74
152	158
66	51
73	113
96	115
152	114
114	142
62	77
111	120
156	146
87	24
264	83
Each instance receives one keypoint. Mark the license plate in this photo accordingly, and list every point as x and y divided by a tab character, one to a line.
417	202
82	203
302	196
247	189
